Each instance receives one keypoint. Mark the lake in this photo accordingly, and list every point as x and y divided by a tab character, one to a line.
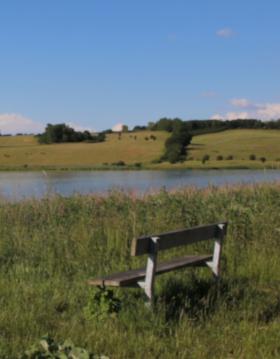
18	185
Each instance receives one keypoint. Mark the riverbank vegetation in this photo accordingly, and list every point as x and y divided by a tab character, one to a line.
49	248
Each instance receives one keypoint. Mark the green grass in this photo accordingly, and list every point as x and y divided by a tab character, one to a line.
238	143
50	247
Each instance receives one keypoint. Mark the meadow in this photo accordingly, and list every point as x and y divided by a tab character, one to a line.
227	149
239	143
25	152
49	248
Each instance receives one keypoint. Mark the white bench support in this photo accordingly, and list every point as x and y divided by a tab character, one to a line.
214	265
148	284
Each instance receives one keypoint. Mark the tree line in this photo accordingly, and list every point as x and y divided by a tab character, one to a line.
200	126
61	132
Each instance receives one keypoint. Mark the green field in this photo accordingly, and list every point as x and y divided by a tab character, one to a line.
239	144
49	248
23	152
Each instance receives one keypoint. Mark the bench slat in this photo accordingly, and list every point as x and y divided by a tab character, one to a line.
131	277
177	238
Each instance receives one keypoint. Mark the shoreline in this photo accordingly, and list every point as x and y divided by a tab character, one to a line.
187	165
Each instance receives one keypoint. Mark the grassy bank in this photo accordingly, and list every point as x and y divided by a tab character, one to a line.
227	149
50	247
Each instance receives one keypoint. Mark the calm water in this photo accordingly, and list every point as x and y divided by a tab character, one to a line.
17	185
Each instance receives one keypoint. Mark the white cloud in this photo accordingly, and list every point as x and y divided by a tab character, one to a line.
240	102
231	116
269	111
13	123
118	127
226	32
265	111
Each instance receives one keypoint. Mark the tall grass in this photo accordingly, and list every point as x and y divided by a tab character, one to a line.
50	247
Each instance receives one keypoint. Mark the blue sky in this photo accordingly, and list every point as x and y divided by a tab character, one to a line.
94	63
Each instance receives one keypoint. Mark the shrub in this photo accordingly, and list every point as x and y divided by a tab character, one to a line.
138	164
152	137
147	138
101	304
230	157
205	158
262	159
175	145
219	158
118	163
252	157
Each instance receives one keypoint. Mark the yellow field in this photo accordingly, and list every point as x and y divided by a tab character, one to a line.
24	151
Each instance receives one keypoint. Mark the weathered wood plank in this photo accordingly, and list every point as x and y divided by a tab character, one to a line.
128	278
177	238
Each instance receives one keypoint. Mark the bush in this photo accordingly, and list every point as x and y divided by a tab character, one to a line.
262	159
252	157
175	145
152	137
118	163
101	304
229	158
174	153
219	158
205	158
138	164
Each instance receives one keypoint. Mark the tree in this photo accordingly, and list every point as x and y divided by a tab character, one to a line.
62	133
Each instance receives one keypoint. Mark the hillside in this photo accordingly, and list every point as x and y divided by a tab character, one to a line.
234	148
238	143
25	152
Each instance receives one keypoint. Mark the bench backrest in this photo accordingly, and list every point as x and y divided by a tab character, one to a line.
144	245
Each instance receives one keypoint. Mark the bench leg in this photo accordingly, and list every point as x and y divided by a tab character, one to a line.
148	284
215	263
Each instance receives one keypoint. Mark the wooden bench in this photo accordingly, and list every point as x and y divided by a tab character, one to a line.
151	245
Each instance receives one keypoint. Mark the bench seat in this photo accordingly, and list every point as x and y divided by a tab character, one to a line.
130	278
